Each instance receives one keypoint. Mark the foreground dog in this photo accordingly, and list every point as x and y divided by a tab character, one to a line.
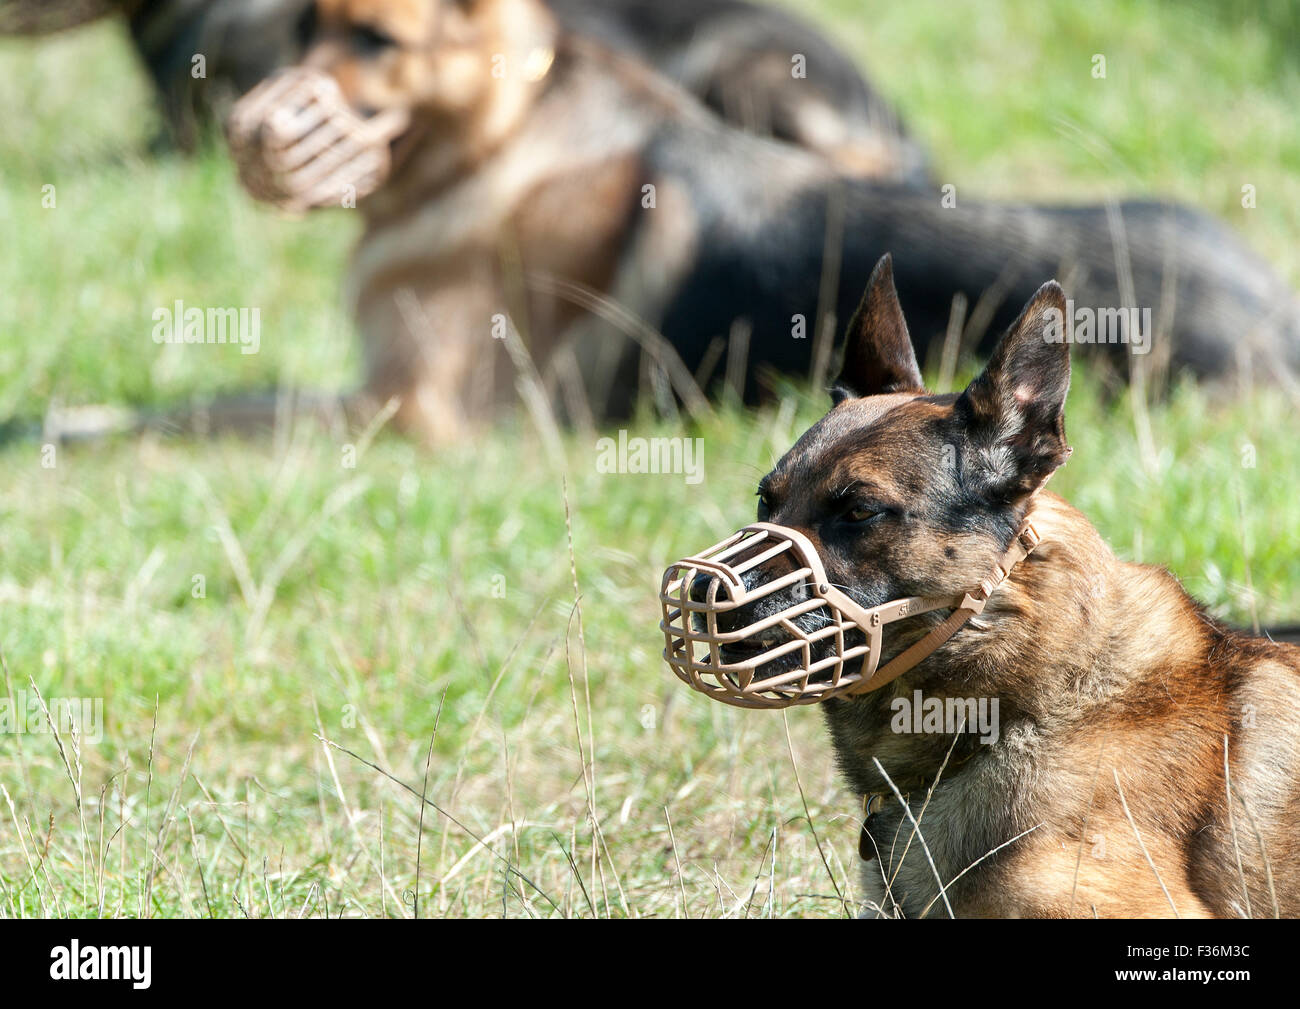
1104	786
551	181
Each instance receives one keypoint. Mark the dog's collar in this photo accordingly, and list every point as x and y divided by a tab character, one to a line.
874	802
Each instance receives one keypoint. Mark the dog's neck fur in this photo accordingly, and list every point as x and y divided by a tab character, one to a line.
1084	646
447	148
1084	627
447	152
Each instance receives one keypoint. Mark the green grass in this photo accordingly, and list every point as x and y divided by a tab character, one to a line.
418	598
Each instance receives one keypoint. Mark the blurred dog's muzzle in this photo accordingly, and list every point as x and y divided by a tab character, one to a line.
300	145
721	641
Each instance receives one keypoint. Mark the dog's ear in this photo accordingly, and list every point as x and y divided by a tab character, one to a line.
1015	409
878	355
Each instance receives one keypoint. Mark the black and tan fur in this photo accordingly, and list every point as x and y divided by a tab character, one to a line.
734	55
527	197
1109	676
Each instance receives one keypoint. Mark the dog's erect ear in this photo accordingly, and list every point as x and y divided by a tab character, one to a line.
1015	409
878	355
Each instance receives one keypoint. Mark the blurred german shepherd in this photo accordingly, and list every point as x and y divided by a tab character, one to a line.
734	55
1107	789
598	205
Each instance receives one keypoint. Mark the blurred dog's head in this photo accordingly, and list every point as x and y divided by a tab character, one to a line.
379	78
444	58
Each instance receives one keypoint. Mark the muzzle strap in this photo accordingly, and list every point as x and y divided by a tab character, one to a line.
972	605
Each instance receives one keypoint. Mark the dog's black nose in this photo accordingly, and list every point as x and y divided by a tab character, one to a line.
700	587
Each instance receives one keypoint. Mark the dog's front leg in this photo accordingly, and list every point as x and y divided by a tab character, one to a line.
437	338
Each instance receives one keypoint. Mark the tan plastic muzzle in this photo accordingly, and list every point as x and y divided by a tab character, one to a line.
300	145
804	652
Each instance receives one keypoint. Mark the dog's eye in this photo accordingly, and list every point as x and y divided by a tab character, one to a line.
370	41
861	513
764	509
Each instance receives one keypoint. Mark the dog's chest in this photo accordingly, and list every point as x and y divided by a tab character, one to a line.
550	197
968	814
938	842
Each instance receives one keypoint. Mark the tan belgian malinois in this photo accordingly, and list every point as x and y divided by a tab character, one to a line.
911	575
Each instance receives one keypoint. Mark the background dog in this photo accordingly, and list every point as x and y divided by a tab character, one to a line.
735	56
1111	681
597	206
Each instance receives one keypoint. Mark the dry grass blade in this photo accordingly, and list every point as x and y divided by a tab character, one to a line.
234	551
1142	844
828	286
588	762
929	794
1246	551
216	811
789	743
738	359
1137	362
18	832
1263	854
758	875
1232	827
198	863
677	862
987	855
483	844
348	813
951	344
573	867
376	424
533	392
424	798
442	812
74	777
164	828
1083	831
920	837
664	353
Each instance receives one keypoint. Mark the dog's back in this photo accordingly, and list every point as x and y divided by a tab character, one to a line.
763	69
1115	713
776	239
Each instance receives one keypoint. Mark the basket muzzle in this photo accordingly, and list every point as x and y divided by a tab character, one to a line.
747	634
300	145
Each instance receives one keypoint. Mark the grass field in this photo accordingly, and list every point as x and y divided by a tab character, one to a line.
233	602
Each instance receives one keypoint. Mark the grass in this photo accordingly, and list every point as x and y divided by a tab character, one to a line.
232	602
